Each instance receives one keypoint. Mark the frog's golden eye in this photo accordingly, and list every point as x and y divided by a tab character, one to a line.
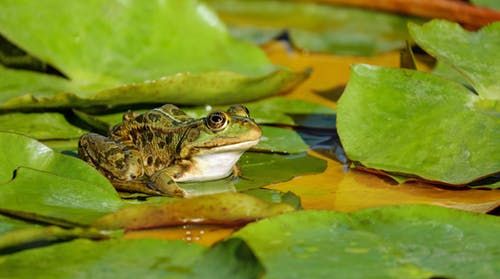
217	121
239	110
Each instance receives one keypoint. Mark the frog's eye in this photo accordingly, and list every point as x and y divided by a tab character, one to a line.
239	110
217	121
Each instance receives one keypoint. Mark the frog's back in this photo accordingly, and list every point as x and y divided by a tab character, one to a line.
155	134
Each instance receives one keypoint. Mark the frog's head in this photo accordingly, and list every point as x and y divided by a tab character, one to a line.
215	144
222	131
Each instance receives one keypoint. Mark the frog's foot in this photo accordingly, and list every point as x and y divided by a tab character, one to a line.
164	183
237	174
136	186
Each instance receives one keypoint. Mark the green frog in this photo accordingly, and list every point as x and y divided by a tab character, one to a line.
151	152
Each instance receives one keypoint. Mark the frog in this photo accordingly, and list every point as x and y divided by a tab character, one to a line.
153	152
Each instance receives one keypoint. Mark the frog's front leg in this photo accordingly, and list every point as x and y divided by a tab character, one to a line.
163	181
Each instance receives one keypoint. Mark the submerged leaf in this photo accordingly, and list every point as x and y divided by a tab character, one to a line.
276	196
315	27
219	209
135	61
391	242
415	123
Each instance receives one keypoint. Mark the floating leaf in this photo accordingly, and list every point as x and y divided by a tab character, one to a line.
136	59
263	169
416	123
20	151
42	184
476	55
391	242
315	27
39	125
487	3
45	196
16	235
219	209
280	140
229	259
142	258
183	88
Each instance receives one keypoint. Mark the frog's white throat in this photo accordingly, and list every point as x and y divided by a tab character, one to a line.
216	163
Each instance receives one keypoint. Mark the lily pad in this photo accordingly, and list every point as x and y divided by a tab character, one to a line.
16	235
219	209
280	140
43	126
487	3
260	169
142	258
392	242
21	151
55	199
473	54
136	61
417	124
41	184
315	27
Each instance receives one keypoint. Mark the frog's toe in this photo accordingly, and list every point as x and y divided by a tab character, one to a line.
168	188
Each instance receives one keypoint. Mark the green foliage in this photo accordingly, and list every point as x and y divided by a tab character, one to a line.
392	242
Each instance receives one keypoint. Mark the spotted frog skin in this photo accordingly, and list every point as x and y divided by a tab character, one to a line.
149	153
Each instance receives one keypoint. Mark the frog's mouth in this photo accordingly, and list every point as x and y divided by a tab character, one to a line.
242	146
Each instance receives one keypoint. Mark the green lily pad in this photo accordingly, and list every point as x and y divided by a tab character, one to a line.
260	169
315	27
44	126
41	184
141	258
392	242
219	209
13	57
280	140
20	151
140	56
487	3
184	88
40	195
417	124
475	55
16	235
